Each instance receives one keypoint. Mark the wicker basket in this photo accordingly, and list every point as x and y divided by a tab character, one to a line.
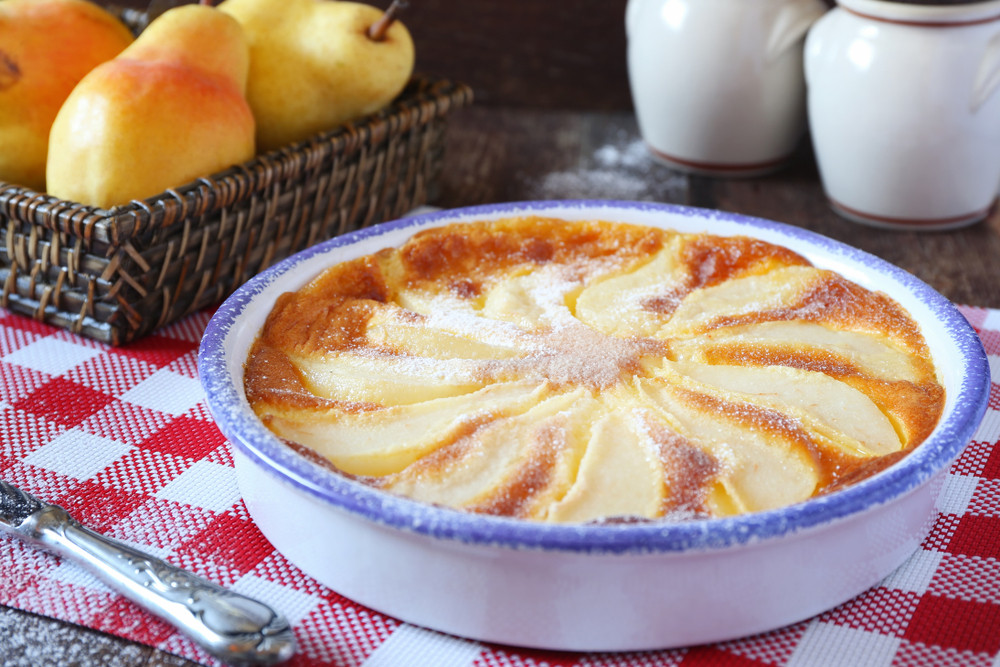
115	275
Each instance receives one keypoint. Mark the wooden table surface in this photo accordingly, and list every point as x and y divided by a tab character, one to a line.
508	154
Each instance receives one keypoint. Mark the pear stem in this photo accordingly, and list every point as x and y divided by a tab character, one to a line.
378	30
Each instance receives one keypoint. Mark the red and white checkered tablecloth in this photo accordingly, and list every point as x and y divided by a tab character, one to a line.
121	437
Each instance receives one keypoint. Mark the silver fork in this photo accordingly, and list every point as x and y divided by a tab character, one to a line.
232	627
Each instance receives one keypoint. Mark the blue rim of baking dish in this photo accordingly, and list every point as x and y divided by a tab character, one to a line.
237	422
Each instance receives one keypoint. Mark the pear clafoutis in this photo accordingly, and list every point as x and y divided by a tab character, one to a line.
580	371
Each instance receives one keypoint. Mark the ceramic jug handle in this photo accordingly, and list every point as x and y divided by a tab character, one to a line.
791	24
988	75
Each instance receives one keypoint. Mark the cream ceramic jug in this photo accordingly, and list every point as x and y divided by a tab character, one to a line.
904	110
717	85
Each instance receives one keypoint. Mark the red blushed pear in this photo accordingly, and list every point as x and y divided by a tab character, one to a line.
169	109
316	64
46	47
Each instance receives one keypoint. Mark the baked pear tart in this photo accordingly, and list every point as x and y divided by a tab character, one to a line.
563	371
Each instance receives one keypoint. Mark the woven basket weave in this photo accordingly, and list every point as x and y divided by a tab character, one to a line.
115	275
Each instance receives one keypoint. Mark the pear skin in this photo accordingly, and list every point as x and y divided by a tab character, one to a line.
313	66
167	110
46	47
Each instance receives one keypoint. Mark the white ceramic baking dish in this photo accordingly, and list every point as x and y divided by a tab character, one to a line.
592	587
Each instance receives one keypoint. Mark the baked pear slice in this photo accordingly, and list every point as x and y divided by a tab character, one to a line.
516	466
898	378
387	379
867	353
626	303
704	308
767	459
385	441
843	415
636	465
457	336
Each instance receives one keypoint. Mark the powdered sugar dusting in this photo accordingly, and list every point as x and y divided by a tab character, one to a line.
558	347
475	327
615	170
582	356
634	155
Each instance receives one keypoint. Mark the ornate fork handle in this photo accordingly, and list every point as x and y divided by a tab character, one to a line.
230	626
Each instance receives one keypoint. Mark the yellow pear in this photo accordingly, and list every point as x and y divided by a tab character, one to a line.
169	109
313	65
46	47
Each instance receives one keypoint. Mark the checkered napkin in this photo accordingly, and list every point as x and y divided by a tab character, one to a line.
121	437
